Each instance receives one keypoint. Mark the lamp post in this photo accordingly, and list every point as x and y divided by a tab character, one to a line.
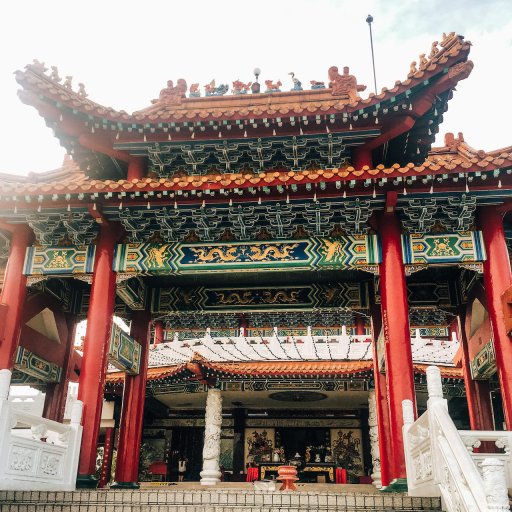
369	20
255	87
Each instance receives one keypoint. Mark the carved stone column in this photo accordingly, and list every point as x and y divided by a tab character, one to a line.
374	439
210	474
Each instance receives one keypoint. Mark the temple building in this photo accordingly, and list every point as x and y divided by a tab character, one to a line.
290	260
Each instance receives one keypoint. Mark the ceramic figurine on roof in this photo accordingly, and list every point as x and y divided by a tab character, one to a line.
194	91
81	90
344	85
240	88
273	87
212	90
67	82
55	74
297	84
172	93
315	84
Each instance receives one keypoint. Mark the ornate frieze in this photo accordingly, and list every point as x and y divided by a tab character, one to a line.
35	366
59	260
460	247
311	253
483	366
335	295
132	292
124	352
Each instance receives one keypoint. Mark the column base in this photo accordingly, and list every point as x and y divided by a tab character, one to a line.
397	485
125	485
86	482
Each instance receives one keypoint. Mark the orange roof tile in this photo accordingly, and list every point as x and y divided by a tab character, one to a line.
456	156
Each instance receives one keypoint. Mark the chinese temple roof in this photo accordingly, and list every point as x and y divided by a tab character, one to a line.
269	130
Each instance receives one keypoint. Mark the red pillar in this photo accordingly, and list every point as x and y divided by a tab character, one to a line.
397	339
14	293
360	330
132	414
382	403
159	332
56	394
361	157
136	169
497	279
477	392
106	463
96	343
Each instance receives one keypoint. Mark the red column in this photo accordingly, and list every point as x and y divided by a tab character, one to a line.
477	392
497	279
382	403
159	332
361	157
96	343
360	330
136	169
14	293
132	414
56	394
106	463
397	339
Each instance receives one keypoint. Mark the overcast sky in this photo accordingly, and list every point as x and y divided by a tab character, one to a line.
125	51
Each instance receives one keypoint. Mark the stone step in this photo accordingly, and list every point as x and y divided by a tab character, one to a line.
211	500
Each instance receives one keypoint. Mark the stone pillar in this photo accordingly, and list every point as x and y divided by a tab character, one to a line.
477	392
497	279
132	414
397	339
106	463
14	293
96	344
210	475
374	439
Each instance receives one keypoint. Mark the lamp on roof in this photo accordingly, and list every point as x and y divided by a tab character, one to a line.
255	87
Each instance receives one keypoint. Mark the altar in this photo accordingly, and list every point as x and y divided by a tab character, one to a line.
309	473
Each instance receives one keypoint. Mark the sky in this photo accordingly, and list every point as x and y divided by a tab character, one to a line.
125	51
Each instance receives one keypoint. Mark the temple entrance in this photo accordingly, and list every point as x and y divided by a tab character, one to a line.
186	441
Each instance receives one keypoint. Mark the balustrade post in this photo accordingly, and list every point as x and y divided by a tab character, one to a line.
495	485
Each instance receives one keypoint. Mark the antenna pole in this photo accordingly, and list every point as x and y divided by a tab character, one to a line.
369	20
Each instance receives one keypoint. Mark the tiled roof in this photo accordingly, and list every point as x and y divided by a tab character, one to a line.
453	50
455	156
280	369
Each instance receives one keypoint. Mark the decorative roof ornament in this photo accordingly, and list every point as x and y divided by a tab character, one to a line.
434	50
255	87
67	83
38	66
212	90
81	90
344	85
240	88
55	74
297	84
273	87
172	94
413	69
315	84
423	62
194	91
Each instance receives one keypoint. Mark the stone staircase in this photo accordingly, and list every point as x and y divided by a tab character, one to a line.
215	500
